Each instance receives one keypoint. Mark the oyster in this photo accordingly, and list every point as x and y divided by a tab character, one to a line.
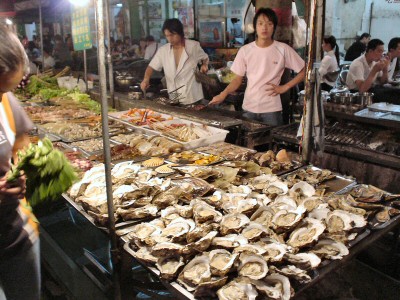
276	188
320	212
293	272
311	203
341	220
261	182
284	202
168	214
263	215
176	230
330	249
274	251
125	169
168	197
250	248
195	272
254	231
302	190
238	203
345	203
204	243
237	291
303	260
207	289
233	223
185	211
143	254
138	213
198	232
166	249
252	265
221	261
142	231
169	266
305	235
275	286
284	220
203	212
229	241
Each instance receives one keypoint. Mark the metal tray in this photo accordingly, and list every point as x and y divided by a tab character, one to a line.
384	107
80	209
91	153
366	113
335	185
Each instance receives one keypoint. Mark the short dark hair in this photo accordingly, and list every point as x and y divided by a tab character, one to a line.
364	35
174	26
12	53
372	44
393	43
150	38
270	14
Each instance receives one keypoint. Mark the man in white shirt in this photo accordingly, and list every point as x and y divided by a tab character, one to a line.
394	54
151	48
368	69
179	59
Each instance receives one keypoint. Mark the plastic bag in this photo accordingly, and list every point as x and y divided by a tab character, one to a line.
299	29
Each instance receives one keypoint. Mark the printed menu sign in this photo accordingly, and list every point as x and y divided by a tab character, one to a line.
211	34
81	28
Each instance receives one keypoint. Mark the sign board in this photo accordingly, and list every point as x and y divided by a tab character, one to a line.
81	28
211	34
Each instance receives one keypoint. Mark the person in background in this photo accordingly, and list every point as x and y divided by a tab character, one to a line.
49	61
358	47
263	62
151	48
179	58
61	53
141	50
369	69
19	236
329	63
394	54
33	52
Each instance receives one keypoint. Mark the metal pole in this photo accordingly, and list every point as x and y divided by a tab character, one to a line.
109	58
308	99
85	69
106	143
41	32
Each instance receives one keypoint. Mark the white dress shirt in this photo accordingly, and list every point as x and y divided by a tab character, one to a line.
183	75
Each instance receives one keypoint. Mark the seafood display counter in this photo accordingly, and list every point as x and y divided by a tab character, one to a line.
211	219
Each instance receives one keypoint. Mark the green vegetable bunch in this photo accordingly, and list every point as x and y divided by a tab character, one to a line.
48	172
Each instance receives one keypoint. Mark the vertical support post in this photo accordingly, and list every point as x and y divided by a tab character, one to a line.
106	142
41	31
109	58
85	69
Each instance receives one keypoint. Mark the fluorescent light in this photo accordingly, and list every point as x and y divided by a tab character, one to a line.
118	5
8	22
79	2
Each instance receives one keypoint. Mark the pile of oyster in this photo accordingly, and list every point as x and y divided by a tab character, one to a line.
256	239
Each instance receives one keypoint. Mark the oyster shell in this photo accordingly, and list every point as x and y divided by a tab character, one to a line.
169	214
153	162
164	169
330	249
311	203
142	231
204	243
169	266
252	265
284	202
143	254
302	190
345	203
238	203
168	197
125	169
166	249
284	220
221	261
263	215
254	231
207	289
176	230
237	291
203	212
341	220
250	248
233	223
306	235
198	232
138	213
276	188
229	241
195	272
293	272
304	260
274	286
274	251
320	212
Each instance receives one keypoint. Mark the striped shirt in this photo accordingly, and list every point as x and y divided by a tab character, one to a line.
18	226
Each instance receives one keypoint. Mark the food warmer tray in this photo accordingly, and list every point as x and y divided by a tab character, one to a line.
116	116
384	107
366	113
335	185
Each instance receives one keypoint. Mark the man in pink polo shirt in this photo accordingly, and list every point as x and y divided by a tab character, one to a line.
263	62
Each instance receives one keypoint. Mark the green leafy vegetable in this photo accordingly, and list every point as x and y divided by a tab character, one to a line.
48	172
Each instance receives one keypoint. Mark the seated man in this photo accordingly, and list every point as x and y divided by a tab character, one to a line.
394	54
368	69
358	47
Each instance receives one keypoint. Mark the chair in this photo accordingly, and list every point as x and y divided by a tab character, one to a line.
332	76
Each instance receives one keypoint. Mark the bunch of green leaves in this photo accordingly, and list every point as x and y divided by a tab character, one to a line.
85	100
37	83
48	93
48	172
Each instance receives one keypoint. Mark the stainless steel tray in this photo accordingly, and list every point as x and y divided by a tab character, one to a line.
334	185
366	113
